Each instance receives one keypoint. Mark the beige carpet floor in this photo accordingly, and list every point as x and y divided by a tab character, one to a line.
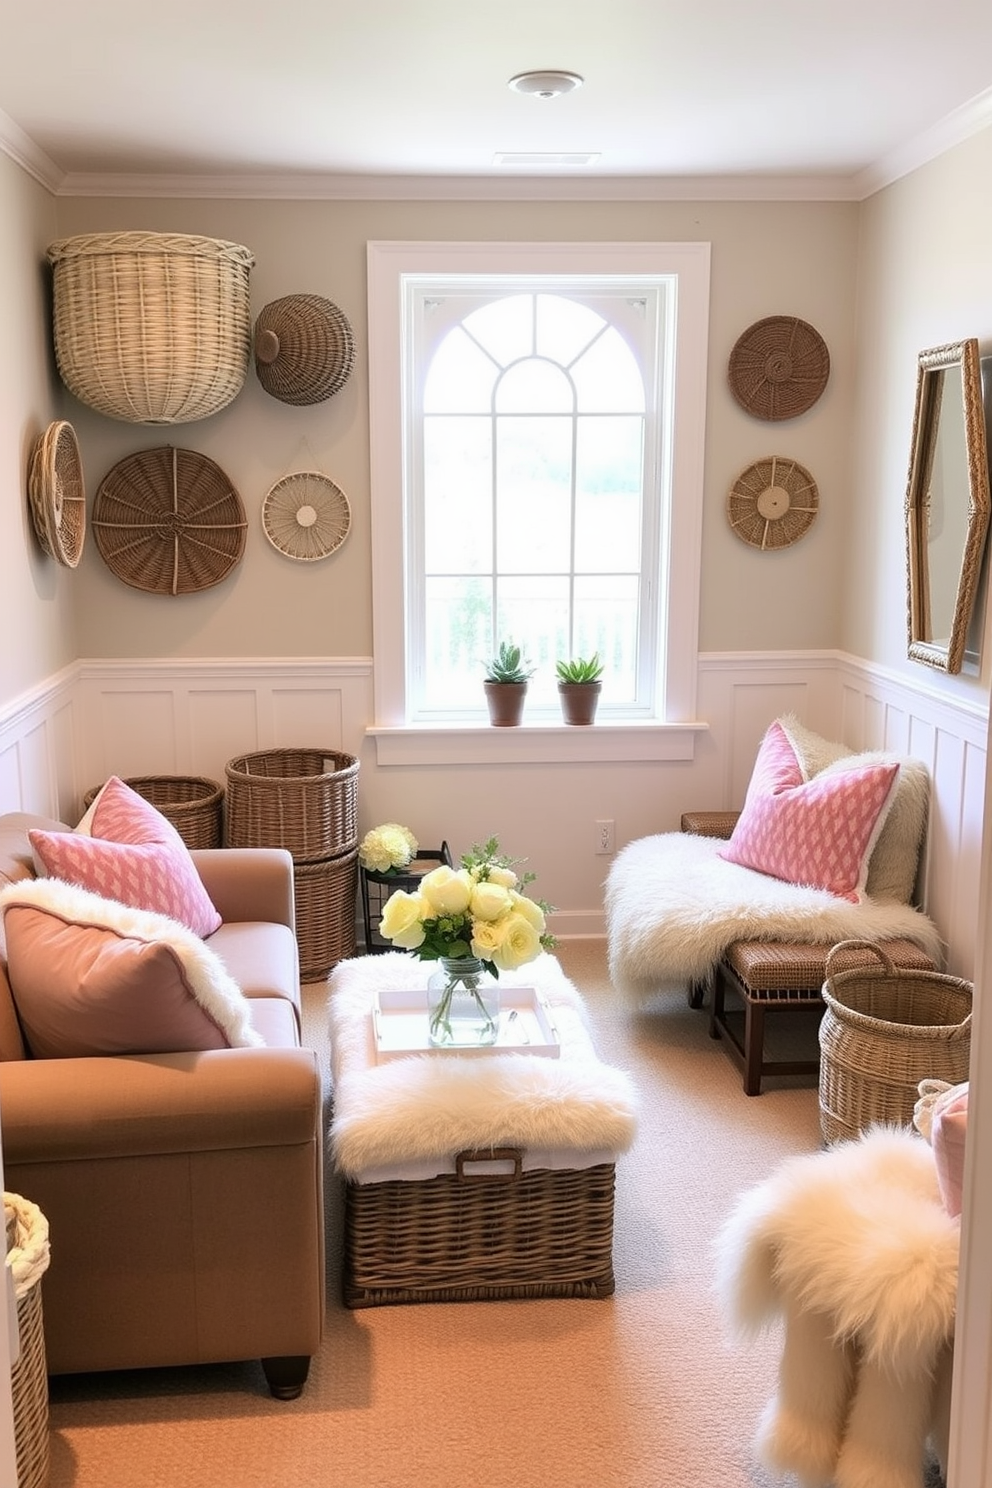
638	1391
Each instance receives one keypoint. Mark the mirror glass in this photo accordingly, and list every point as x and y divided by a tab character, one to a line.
947	503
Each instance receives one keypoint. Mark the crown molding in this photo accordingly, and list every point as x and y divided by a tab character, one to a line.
529	186
953	129
24	152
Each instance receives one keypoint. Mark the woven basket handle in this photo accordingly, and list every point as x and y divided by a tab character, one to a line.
480	1166
835	954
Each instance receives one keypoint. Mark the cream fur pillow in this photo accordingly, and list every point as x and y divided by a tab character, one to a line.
895	857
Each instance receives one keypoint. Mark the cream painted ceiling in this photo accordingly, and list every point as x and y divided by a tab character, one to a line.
838	91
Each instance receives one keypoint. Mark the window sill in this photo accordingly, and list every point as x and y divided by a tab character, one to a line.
532	744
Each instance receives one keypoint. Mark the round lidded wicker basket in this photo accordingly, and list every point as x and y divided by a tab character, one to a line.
57	493
304	348
169	521
305	800
151	328
884	1030
192	803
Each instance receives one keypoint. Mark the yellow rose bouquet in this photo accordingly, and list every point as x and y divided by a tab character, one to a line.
473	914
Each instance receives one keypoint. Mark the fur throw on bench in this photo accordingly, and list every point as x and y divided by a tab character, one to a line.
673	906
433	1105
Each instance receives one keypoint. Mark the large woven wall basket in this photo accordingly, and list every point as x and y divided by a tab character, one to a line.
151	328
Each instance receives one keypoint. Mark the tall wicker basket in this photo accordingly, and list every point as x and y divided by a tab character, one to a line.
305	800
151	328
884	1030
27	1254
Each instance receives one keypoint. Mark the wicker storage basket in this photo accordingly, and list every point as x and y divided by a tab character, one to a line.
152	328
325	895
305	800
884	1030
192	803
304	348
472	1236
27	1253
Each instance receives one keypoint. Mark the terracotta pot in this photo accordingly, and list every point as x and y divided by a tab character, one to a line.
579	701
506	702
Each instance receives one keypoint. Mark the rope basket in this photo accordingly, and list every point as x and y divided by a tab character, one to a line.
325	895
27	1257
151	328
884	1030
305	800
304	349
778	367
192	803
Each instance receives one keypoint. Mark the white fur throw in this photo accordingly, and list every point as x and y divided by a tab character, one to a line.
434	1105
673	906
853	1249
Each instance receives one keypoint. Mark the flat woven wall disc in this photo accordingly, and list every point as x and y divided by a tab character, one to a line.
169	521
778	367
773	503
306	516
57	494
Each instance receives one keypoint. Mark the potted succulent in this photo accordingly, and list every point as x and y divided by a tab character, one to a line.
505	683
579	687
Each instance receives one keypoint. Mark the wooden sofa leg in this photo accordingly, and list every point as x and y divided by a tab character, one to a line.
754	1045
286	1374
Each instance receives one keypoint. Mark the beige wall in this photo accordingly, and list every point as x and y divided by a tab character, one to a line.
768	258
925	277
37	593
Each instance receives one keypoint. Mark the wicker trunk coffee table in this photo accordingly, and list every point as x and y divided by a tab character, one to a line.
473	1176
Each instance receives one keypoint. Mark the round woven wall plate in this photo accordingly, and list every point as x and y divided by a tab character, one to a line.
778	367
57	494
773	503
306	516
169	521
304	349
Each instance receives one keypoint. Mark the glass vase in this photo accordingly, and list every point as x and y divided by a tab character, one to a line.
462	1004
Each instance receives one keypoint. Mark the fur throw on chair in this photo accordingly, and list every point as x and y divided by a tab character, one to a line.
853	1251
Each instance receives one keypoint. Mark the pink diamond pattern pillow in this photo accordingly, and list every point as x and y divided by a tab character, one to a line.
132	855
818	833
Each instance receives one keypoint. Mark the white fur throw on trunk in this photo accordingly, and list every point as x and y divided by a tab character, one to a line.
673	906
434	1105
853	1249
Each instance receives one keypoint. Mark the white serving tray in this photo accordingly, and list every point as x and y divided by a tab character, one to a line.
399	1025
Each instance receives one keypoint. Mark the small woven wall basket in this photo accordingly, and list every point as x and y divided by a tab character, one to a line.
192	803
305	800
57	494
778	367
27	1254
304	349
325	895
169	521
884	1030
151	328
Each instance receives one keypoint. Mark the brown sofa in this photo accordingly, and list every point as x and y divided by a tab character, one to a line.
182	1191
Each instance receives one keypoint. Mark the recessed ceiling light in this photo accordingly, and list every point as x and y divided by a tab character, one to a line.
545	158
548	83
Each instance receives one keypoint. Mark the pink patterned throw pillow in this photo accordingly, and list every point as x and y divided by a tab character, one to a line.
818	833
132	855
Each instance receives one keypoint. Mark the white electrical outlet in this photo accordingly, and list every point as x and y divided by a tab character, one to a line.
605	837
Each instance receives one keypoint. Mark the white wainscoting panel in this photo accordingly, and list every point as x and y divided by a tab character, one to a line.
191	717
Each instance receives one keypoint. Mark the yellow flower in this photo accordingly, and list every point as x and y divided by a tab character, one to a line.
487	936
530	911
505	877
402	920
489	901
446	890
520	943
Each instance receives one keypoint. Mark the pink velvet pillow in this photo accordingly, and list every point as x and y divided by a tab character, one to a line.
818	833
132	854
90	976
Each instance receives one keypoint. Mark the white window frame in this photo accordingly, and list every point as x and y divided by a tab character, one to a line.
670	734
